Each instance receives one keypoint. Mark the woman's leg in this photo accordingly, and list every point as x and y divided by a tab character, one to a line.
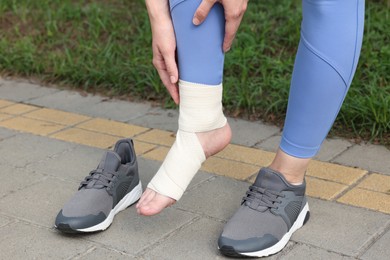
203	130
274	207
331	37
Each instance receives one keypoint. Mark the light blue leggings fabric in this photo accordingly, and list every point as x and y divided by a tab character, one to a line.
328	52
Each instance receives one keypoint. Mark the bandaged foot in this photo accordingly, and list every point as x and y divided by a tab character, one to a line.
203	131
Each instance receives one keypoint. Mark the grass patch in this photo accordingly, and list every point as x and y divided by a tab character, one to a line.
104	46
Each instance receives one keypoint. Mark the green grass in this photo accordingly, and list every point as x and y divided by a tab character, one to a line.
104	46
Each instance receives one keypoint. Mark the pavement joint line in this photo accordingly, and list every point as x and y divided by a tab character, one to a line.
149	140
83	254
169	234
371	240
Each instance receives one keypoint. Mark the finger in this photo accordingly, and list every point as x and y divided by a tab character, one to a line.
231	27
172	88
171	66
202	11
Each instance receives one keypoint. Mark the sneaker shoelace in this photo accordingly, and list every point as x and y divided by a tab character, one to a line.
98	179
257	198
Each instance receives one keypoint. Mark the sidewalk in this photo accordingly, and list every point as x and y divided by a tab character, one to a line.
50	139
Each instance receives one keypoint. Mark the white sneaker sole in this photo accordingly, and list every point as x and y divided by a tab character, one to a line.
283	242
127	200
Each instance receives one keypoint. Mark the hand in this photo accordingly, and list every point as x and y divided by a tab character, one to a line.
164	46
234	11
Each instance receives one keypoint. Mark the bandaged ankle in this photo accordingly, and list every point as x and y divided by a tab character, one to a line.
200	111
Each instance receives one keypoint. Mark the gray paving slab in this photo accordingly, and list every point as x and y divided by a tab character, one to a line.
16	179
340	228
249	133
5	221
103	253
118	110
23	91
165	119
380	249
148	168
367	156
331	147
38	203
131	233
66	100
24	149
24	241
302	251
219	197
73	164
6	133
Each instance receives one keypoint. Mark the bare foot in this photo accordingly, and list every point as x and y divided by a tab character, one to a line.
152	203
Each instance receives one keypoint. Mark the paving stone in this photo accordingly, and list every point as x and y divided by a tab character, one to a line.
303	251
340	228
132	233
156	136
71	165
164	119
23	91
157	154
196	241
367	199
237	170
367	156
33	126
323	189
334	172
219	197
117	110
23	241
331	147
80	136
5	221
6	133
380	249
4	116
148	168
57	116
376	182
5	103
249	133
70	101
39	203
23	149
246	155
103	253
18	109
17	178
112	127
141	147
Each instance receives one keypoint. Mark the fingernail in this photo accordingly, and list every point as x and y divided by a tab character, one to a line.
195	21
173	79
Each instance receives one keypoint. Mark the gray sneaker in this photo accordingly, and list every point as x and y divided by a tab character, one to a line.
270	213
109	189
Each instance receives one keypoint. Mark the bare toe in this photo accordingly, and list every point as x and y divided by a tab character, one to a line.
153	203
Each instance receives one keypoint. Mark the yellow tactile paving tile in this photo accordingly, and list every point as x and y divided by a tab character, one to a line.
18	109
85	137
157	136
367	199
323	189
229	168
157	154
4	103
376	182
112	127
141	147
56	116
28	125
335	172
247	155
4	116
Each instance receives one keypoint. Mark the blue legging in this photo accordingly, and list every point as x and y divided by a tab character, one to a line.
328	52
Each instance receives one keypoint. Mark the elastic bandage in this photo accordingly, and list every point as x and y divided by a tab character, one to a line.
200	111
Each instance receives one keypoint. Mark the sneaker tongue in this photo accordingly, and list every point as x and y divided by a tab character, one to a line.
270	180
110	161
